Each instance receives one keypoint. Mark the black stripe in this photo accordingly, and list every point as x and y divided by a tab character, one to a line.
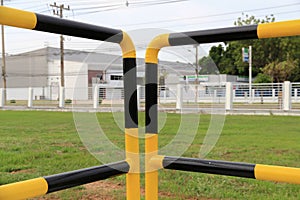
130	93
214	35
210	166
151	98
77	29
79	177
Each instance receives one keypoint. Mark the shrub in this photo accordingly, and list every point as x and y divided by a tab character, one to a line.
68	101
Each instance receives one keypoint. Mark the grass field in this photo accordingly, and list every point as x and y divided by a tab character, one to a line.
36	144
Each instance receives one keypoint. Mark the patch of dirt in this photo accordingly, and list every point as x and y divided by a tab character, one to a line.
65	144
281	152
22	171
101	190
106	190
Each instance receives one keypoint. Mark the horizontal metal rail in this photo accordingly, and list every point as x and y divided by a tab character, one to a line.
29	20
237	169
44	185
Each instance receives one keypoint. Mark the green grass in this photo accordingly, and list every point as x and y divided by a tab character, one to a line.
36	144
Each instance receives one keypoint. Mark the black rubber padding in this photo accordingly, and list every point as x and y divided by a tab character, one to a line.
210	166
77	29
214	35
79	177
130	93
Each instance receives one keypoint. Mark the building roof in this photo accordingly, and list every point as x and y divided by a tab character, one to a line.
101	61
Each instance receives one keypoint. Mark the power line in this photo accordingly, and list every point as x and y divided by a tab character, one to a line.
213	15
120	6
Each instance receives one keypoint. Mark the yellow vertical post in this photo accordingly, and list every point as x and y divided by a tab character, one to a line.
151	174
151	141
131	118
132	157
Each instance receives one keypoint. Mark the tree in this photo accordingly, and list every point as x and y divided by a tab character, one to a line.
280	71
262	78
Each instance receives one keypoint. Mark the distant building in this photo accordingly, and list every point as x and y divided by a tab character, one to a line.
40	69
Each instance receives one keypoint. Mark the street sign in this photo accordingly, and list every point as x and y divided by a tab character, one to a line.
245	54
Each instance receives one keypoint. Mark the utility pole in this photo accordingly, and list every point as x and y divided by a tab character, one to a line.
196	73
58	10
3	60
250	74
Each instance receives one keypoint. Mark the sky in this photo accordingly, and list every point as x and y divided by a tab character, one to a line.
140	18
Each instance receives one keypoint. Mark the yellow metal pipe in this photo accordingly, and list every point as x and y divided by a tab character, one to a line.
279	29
132	157
24	189
127	46
17	18
277	173
151	140
151	173
154	47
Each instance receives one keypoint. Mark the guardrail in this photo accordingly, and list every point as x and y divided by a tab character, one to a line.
38	22
270	30
153	161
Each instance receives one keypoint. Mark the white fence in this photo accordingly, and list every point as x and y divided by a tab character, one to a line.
282	96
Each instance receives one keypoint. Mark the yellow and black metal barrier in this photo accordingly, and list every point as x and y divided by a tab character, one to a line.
44	185
35	187
153	161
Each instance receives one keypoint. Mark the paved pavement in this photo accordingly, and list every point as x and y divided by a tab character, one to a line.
208	110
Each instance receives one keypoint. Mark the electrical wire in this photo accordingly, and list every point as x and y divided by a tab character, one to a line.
212	15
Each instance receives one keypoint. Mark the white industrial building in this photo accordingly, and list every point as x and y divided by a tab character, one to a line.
40	70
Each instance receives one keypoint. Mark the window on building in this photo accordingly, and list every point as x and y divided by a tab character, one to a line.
116	77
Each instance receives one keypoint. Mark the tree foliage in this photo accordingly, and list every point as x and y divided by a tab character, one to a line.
280	71
283	52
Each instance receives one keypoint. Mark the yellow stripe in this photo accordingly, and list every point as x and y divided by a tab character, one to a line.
17	18
132	157
279	29
157	162
151	145
127	47
155	45
132	149
151	186
151	174
25	189
277	173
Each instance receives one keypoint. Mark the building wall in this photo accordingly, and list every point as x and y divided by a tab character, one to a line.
76	80
26	70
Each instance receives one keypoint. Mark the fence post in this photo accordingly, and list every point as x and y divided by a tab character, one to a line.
286	96
61	97
252	96
273	94
296	94
96	97
233	93
228	96
2	100
215	94
179	97
30	97
138	94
